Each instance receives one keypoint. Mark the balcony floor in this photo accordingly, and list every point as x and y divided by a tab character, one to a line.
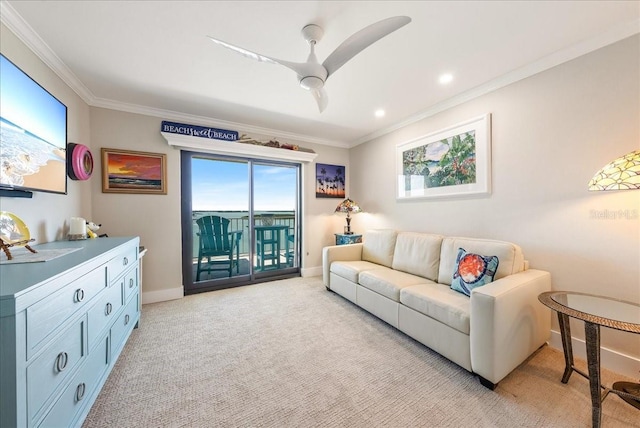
244	268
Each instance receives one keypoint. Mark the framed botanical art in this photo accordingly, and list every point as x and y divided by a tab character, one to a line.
330	181
125	171
453	162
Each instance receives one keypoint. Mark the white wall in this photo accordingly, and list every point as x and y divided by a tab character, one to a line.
156	218
46	214
551	133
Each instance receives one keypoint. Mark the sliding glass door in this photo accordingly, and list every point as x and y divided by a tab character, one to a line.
240	221
275	212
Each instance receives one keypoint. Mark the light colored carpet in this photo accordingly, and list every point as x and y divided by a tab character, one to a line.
292	354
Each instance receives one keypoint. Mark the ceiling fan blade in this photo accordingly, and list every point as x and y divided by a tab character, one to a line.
361	40
295	66
321	98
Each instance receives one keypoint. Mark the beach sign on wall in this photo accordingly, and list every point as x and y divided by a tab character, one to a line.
199	131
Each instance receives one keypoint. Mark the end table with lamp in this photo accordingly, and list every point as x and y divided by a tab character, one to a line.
595	311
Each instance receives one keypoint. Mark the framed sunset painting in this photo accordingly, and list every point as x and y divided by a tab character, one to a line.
125	171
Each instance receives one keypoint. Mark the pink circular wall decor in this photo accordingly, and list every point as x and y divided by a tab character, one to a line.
79	162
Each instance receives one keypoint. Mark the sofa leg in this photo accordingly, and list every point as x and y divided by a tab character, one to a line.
487	384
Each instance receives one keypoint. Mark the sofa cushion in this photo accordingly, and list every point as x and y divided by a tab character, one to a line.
350	270
510	256
388	282
472	271
378	246
439	302
418	253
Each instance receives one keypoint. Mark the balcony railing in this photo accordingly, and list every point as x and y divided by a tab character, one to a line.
239	220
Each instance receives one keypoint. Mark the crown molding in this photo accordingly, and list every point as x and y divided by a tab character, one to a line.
208	121
17	25
604	39
13	21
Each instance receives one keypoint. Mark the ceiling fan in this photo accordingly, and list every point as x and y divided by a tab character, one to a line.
311	74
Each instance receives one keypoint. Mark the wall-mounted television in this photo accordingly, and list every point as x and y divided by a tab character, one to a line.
33	134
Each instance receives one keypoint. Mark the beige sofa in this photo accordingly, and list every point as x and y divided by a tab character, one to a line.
404	278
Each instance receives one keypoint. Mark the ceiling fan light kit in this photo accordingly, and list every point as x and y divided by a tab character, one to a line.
311	82
311	74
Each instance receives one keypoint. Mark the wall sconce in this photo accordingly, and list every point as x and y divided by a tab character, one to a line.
350	207
621	174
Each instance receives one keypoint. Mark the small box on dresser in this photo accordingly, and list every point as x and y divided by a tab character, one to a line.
63	324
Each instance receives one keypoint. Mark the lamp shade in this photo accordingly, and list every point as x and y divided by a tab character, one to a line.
348	206
621	174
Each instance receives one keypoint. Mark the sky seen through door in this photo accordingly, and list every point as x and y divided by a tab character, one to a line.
219	185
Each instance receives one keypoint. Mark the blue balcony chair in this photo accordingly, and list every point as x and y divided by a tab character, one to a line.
290	253
218	245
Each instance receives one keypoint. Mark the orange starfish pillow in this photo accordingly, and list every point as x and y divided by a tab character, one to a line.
473	270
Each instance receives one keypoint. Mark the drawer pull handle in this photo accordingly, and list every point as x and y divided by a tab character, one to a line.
108	309
61	361
79	295
126	319
125	261
131	283
80	390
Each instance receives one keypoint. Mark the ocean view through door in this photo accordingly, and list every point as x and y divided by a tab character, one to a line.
240	221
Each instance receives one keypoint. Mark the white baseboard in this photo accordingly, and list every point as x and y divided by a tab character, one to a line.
162	295
612	360
312	271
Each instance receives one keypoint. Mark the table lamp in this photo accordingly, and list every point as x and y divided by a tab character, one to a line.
350	207
621	174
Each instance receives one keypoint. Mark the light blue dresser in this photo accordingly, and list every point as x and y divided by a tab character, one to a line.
63	324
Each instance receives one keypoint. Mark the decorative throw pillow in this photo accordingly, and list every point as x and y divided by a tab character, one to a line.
473	270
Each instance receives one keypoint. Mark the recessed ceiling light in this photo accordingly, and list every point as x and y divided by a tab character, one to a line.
445	78
379	113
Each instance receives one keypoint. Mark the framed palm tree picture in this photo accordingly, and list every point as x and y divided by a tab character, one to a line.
330	181
453	162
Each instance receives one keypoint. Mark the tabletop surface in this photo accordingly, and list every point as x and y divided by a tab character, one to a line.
16	279
601	310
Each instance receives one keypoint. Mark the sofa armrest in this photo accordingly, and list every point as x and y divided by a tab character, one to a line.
350	252
508	323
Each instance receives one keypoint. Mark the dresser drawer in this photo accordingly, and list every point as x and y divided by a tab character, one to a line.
81	387
122	262
124	324
130	284
104	312
54	365
44	316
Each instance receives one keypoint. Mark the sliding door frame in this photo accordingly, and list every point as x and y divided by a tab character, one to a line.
191	287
